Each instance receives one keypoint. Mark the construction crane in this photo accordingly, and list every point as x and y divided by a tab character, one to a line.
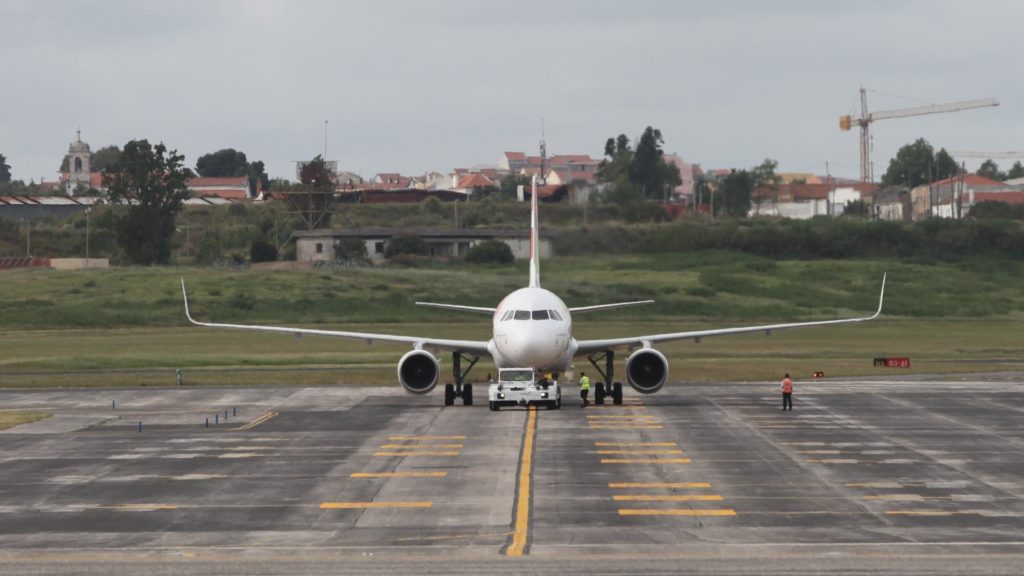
866	118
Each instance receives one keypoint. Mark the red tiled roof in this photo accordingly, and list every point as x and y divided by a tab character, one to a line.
1010	197
515	155
970	180
218	181
226	193
474	181
792	191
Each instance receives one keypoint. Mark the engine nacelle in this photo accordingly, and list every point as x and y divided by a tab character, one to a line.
418	371
647	370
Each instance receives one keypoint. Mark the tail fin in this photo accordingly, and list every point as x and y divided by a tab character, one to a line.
534	237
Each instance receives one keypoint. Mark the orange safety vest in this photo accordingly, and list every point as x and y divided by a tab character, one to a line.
787	386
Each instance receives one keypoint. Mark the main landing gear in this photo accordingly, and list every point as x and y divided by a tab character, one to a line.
606	388
458	389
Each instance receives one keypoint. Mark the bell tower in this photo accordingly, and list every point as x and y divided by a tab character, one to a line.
79	164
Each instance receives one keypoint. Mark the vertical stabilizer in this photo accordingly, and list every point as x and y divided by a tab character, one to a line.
534	237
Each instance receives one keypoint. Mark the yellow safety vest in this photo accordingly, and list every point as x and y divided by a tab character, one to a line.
585	383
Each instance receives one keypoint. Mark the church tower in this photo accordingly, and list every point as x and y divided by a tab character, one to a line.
79	164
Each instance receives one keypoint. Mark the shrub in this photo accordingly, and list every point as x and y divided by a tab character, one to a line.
350	249
490	252
413	245
262	251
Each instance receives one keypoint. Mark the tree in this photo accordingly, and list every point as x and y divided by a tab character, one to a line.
262	251
637	174
509	188
766	181
223	163
150	183
5	170
258	179
734	191
1016	171
856	209
915	163
104	157
989	169
407	245
316	175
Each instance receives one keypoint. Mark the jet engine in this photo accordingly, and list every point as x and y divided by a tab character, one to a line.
418	371
646	370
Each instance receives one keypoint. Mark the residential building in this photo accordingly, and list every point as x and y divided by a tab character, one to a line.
802	201
226	188
947	198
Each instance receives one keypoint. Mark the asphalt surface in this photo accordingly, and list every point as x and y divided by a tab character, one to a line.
862	477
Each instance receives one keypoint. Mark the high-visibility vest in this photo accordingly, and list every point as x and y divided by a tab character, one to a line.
787	386
585	383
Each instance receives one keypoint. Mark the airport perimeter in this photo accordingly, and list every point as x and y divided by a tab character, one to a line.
864	476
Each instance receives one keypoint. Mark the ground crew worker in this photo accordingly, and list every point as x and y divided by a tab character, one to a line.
787	393
584	388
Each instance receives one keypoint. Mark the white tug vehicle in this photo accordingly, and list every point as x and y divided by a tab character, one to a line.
523	387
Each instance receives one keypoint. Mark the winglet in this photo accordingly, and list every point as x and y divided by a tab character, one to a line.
185	296
881	297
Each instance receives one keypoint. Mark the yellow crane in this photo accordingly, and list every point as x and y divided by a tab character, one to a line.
866	118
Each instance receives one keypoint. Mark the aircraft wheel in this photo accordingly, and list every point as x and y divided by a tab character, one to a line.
467	394
558	403
599	393
493	406
617	393
449	394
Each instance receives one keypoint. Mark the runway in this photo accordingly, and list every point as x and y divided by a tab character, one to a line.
921	476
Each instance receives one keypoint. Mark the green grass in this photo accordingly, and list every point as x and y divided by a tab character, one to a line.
12	418
127	327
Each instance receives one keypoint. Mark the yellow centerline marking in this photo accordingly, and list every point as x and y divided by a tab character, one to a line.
676	512
645	461
635	444
258	421
639	452
361	505
426	437
666	497
522	526
432	446
398	474
139	507
414	453
659	485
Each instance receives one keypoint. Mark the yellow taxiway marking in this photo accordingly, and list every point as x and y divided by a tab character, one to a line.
640	452
652	444
627	427
361	505
659	485
923	512
416	453
832	460
522	526
819	451
406	446
139	507
621	417
676	512
665	497
398	474
426	437
258	421
645	461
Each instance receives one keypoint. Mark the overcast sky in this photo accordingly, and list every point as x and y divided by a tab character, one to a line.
413	86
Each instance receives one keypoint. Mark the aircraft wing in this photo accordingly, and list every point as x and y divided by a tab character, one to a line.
458	307
477	347
590	346
580	309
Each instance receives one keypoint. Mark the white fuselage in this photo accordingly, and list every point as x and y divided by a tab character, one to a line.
532	328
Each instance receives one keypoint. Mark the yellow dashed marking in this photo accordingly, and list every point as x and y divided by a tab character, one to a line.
414	453
400	446
640	452
645	461
399	474
426	437
652	444
361	505
659	485
139	507
676	512
666	497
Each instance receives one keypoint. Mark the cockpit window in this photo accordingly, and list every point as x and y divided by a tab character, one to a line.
554	315
507	315
540	314
522	315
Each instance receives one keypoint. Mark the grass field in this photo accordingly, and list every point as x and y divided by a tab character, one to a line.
126	326
12	418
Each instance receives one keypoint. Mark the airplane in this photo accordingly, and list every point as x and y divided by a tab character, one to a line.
532	327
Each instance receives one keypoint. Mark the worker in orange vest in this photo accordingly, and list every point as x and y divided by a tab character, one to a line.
787	393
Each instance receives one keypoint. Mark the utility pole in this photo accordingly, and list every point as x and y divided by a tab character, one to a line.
87	211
